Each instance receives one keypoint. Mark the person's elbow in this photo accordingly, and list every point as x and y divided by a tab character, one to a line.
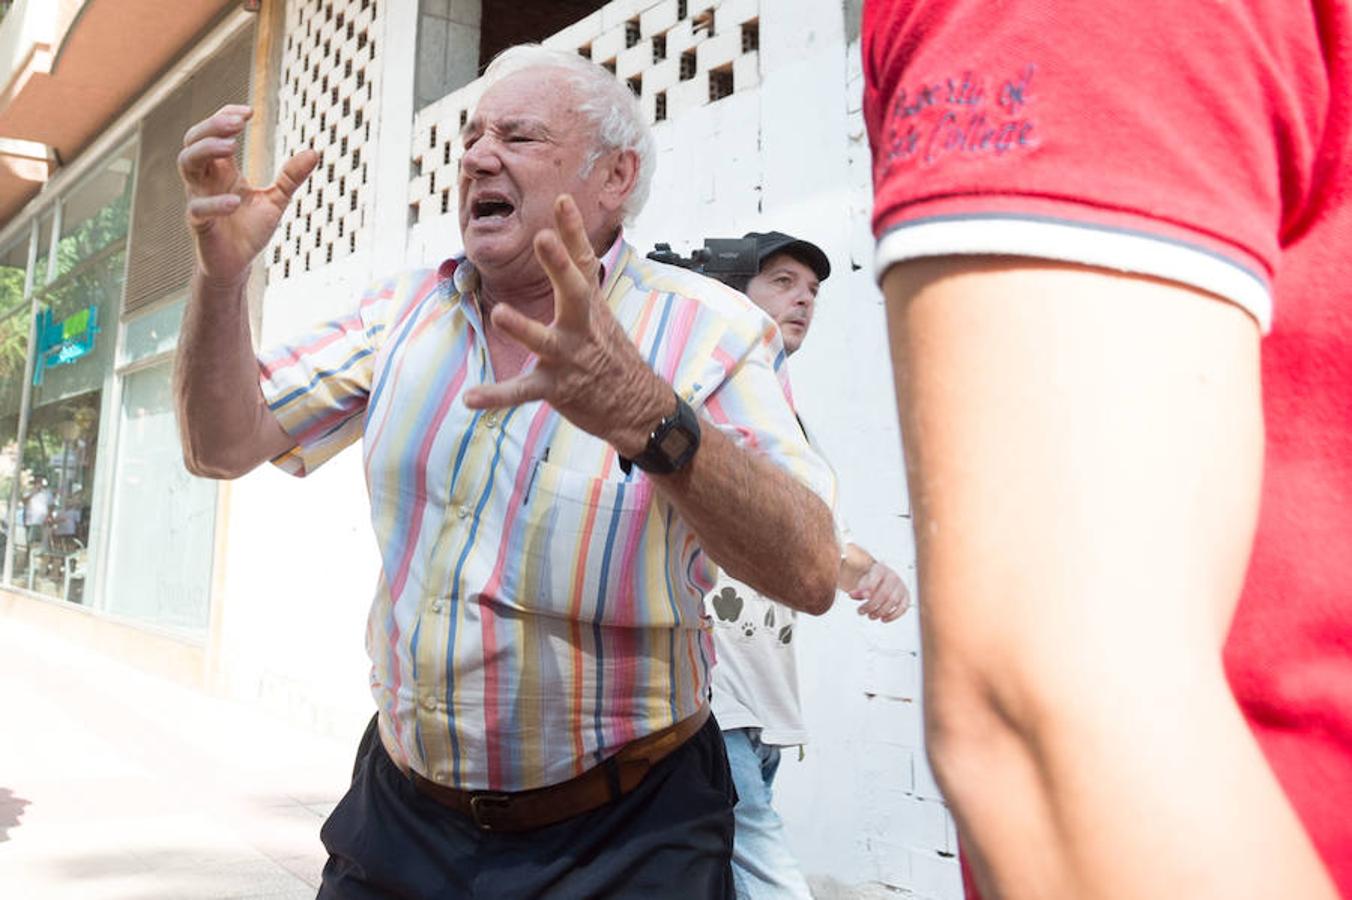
211	454
800	570
217	464
225	446
994	703
819	572
963	727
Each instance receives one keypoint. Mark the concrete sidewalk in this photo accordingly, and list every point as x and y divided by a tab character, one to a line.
115	784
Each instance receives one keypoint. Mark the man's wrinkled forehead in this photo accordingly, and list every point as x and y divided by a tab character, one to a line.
537	98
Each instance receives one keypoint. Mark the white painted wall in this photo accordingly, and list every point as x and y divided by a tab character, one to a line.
861	806
790	154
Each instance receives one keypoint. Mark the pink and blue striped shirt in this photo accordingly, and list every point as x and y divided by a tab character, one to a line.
536	609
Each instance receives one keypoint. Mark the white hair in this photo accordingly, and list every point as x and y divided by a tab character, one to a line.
611	107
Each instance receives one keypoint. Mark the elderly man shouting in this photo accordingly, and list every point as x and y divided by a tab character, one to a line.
560	439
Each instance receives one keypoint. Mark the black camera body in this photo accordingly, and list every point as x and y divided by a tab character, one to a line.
732	261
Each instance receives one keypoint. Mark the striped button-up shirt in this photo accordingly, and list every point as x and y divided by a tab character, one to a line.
536	609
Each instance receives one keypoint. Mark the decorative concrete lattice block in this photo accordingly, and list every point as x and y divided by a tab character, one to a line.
657	19
420	186
661	76
664	50
732	13
685	96
647	102
697	8
719	50
621	11
608	44
436	153
746	71
680	37
634	61
326	102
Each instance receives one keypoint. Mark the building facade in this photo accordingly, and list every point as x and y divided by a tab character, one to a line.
258	589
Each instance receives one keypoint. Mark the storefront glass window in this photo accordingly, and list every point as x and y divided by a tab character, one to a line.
76	326
163	522
57	480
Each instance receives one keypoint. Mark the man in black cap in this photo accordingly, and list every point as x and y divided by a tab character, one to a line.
791	273
755	680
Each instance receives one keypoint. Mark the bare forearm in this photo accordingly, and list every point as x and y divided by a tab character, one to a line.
757	522
225	426
1083	523
754	519
854	563
1097	788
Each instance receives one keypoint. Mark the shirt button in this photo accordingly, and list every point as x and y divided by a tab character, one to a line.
441	777
436	606
462	511
490	421
430	703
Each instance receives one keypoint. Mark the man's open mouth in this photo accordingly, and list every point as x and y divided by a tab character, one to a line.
491	208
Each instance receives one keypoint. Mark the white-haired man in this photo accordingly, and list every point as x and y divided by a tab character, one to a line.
545	498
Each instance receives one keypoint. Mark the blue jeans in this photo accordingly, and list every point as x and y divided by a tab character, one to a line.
762	864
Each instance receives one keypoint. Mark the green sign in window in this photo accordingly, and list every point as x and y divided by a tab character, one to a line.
66	341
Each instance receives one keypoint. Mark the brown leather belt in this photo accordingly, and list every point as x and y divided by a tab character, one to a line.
602	784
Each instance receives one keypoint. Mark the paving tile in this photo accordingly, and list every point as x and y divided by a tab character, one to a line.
124	787
323	810
307	868
215	881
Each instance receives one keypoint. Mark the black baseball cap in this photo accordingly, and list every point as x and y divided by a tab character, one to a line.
768	243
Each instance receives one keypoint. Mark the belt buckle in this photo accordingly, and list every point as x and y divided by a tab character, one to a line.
483	804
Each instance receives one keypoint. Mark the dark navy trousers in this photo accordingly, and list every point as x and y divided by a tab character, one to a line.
669	837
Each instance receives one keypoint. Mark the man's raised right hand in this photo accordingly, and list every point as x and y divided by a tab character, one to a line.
232	221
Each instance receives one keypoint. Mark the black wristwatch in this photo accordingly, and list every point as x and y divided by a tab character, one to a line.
672	444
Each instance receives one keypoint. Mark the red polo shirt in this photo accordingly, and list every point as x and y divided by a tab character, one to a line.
1205	143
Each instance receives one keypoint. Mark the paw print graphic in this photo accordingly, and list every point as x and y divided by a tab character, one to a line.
786	634
748	628
727	605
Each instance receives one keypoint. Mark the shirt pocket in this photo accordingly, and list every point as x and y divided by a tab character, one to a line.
585	547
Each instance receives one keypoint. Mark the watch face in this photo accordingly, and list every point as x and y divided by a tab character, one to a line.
672	444
675	443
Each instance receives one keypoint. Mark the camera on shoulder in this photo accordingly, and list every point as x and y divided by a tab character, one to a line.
732	261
